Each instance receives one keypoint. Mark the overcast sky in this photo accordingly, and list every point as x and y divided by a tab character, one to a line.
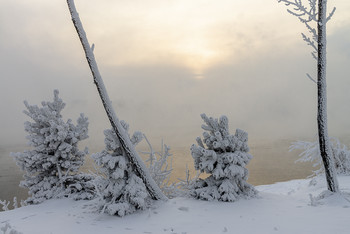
165	62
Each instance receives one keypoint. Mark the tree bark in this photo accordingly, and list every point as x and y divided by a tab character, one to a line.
326	154
138	165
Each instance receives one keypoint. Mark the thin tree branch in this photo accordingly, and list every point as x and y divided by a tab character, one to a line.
308	75
330	14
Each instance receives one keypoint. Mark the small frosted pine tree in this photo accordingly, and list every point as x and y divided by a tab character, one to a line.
224	158
54	162
120	190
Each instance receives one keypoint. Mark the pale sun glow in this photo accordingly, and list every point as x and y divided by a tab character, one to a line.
196	34
198	56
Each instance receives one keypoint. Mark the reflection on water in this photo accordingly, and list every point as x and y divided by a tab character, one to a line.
271	163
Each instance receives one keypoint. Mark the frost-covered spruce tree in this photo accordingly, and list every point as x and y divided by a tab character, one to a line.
120	190
224	157
53	162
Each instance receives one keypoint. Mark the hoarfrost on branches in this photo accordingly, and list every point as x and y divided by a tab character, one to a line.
185	185
5	204
55	159
160	167
224	157
307	14
120	191
80	186
311	153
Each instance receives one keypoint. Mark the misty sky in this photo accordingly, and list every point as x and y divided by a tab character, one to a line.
165	62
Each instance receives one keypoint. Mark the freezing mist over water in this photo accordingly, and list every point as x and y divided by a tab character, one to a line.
272	162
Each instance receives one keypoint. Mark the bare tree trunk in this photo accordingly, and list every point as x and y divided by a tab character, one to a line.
326	153
138	165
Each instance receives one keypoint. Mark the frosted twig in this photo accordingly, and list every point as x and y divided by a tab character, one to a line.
311	153
309	42
299	10
5	205
15	203
160	168
306	15
331	14
308	75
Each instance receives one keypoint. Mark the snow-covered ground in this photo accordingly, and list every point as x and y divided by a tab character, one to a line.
281	208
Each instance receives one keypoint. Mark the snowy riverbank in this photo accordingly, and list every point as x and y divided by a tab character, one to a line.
281	208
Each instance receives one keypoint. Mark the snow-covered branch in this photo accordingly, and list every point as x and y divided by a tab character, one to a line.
160	167
331	14
312	79
306	15
301	11
5	205
186	185
309	41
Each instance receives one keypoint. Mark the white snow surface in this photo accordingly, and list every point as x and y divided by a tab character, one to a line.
280	208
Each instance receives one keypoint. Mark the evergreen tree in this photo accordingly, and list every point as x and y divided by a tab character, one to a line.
52	165
120	190
224	158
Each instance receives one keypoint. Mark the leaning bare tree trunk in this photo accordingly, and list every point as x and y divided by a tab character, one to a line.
138	165
327	158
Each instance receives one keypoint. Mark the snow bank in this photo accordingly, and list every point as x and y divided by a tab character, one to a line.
281	208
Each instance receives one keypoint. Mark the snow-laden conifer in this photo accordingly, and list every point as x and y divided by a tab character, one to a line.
223	157
120	190
51	166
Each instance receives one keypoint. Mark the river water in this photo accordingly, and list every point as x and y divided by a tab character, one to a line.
272	162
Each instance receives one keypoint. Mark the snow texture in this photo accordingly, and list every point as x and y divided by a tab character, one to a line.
224	157
120	191
281	208
139	166
53	163
7	229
